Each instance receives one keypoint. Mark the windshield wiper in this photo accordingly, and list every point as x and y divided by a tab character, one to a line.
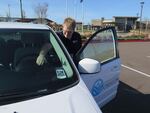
21	96
17	93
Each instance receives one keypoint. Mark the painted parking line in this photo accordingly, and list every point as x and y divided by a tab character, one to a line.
137	71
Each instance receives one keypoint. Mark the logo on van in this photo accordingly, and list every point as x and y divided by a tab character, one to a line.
97	87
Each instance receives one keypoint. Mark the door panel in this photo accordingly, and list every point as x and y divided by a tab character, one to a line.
102	46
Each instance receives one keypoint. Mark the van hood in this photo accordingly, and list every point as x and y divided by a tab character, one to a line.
72	100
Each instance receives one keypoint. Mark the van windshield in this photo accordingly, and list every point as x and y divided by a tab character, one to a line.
19	72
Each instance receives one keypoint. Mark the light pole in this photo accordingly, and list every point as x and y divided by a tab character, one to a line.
81	1
142	3
21	11
9	10
66	8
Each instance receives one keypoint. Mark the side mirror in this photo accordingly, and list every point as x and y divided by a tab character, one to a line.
88	65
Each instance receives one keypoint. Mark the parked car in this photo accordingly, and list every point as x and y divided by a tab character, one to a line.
58	86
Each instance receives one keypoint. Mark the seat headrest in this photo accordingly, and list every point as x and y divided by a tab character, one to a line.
32	38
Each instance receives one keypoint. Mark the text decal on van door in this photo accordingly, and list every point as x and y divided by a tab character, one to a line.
97	87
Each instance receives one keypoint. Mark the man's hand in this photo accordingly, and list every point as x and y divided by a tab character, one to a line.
41	60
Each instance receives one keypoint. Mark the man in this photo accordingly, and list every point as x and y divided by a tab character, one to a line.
70	38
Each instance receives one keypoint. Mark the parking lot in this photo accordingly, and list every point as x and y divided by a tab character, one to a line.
134	89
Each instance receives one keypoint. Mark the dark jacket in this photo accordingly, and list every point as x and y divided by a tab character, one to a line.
73	44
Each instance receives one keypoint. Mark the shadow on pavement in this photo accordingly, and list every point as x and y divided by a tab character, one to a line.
128	100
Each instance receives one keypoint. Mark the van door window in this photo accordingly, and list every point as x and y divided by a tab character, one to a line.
101	47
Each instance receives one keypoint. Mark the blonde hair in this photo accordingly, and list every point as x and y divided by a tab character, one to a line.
70	23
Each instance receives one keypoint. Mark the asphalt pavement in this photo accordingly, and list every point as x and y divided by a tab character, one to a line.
134	89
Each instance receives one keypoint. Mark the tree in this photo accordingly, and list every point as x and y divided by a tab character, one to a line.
41	11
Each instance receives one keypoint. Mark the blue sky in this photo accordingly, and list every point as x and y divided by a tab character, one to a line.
93	9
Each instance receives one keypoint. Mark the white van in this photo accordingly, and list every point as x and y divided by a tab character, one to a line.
57	86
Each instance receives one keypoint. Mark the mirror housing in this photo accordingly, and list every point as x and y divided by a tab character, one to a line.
88	65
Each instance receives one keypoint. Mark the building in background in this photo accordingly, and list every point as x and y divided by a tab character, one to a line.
100	23
34	20
96	24
125	23
46	21
25	20
122	23
78	26
7	19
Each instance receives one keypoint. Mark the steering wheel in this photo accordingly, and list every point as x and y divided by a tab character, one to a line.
27	63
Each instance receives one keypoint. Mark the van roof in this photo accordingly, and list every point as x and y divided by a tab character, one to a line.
18	25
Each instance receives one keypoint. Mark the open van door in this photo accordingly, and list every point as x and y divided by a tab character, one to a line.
99	65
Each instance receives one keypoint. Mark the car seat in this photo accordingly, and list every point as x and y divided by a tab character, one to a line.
25	57
12	45
7	50
3	60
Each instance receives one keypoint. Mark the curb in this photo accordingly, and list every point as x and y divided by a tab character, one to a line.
134	40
